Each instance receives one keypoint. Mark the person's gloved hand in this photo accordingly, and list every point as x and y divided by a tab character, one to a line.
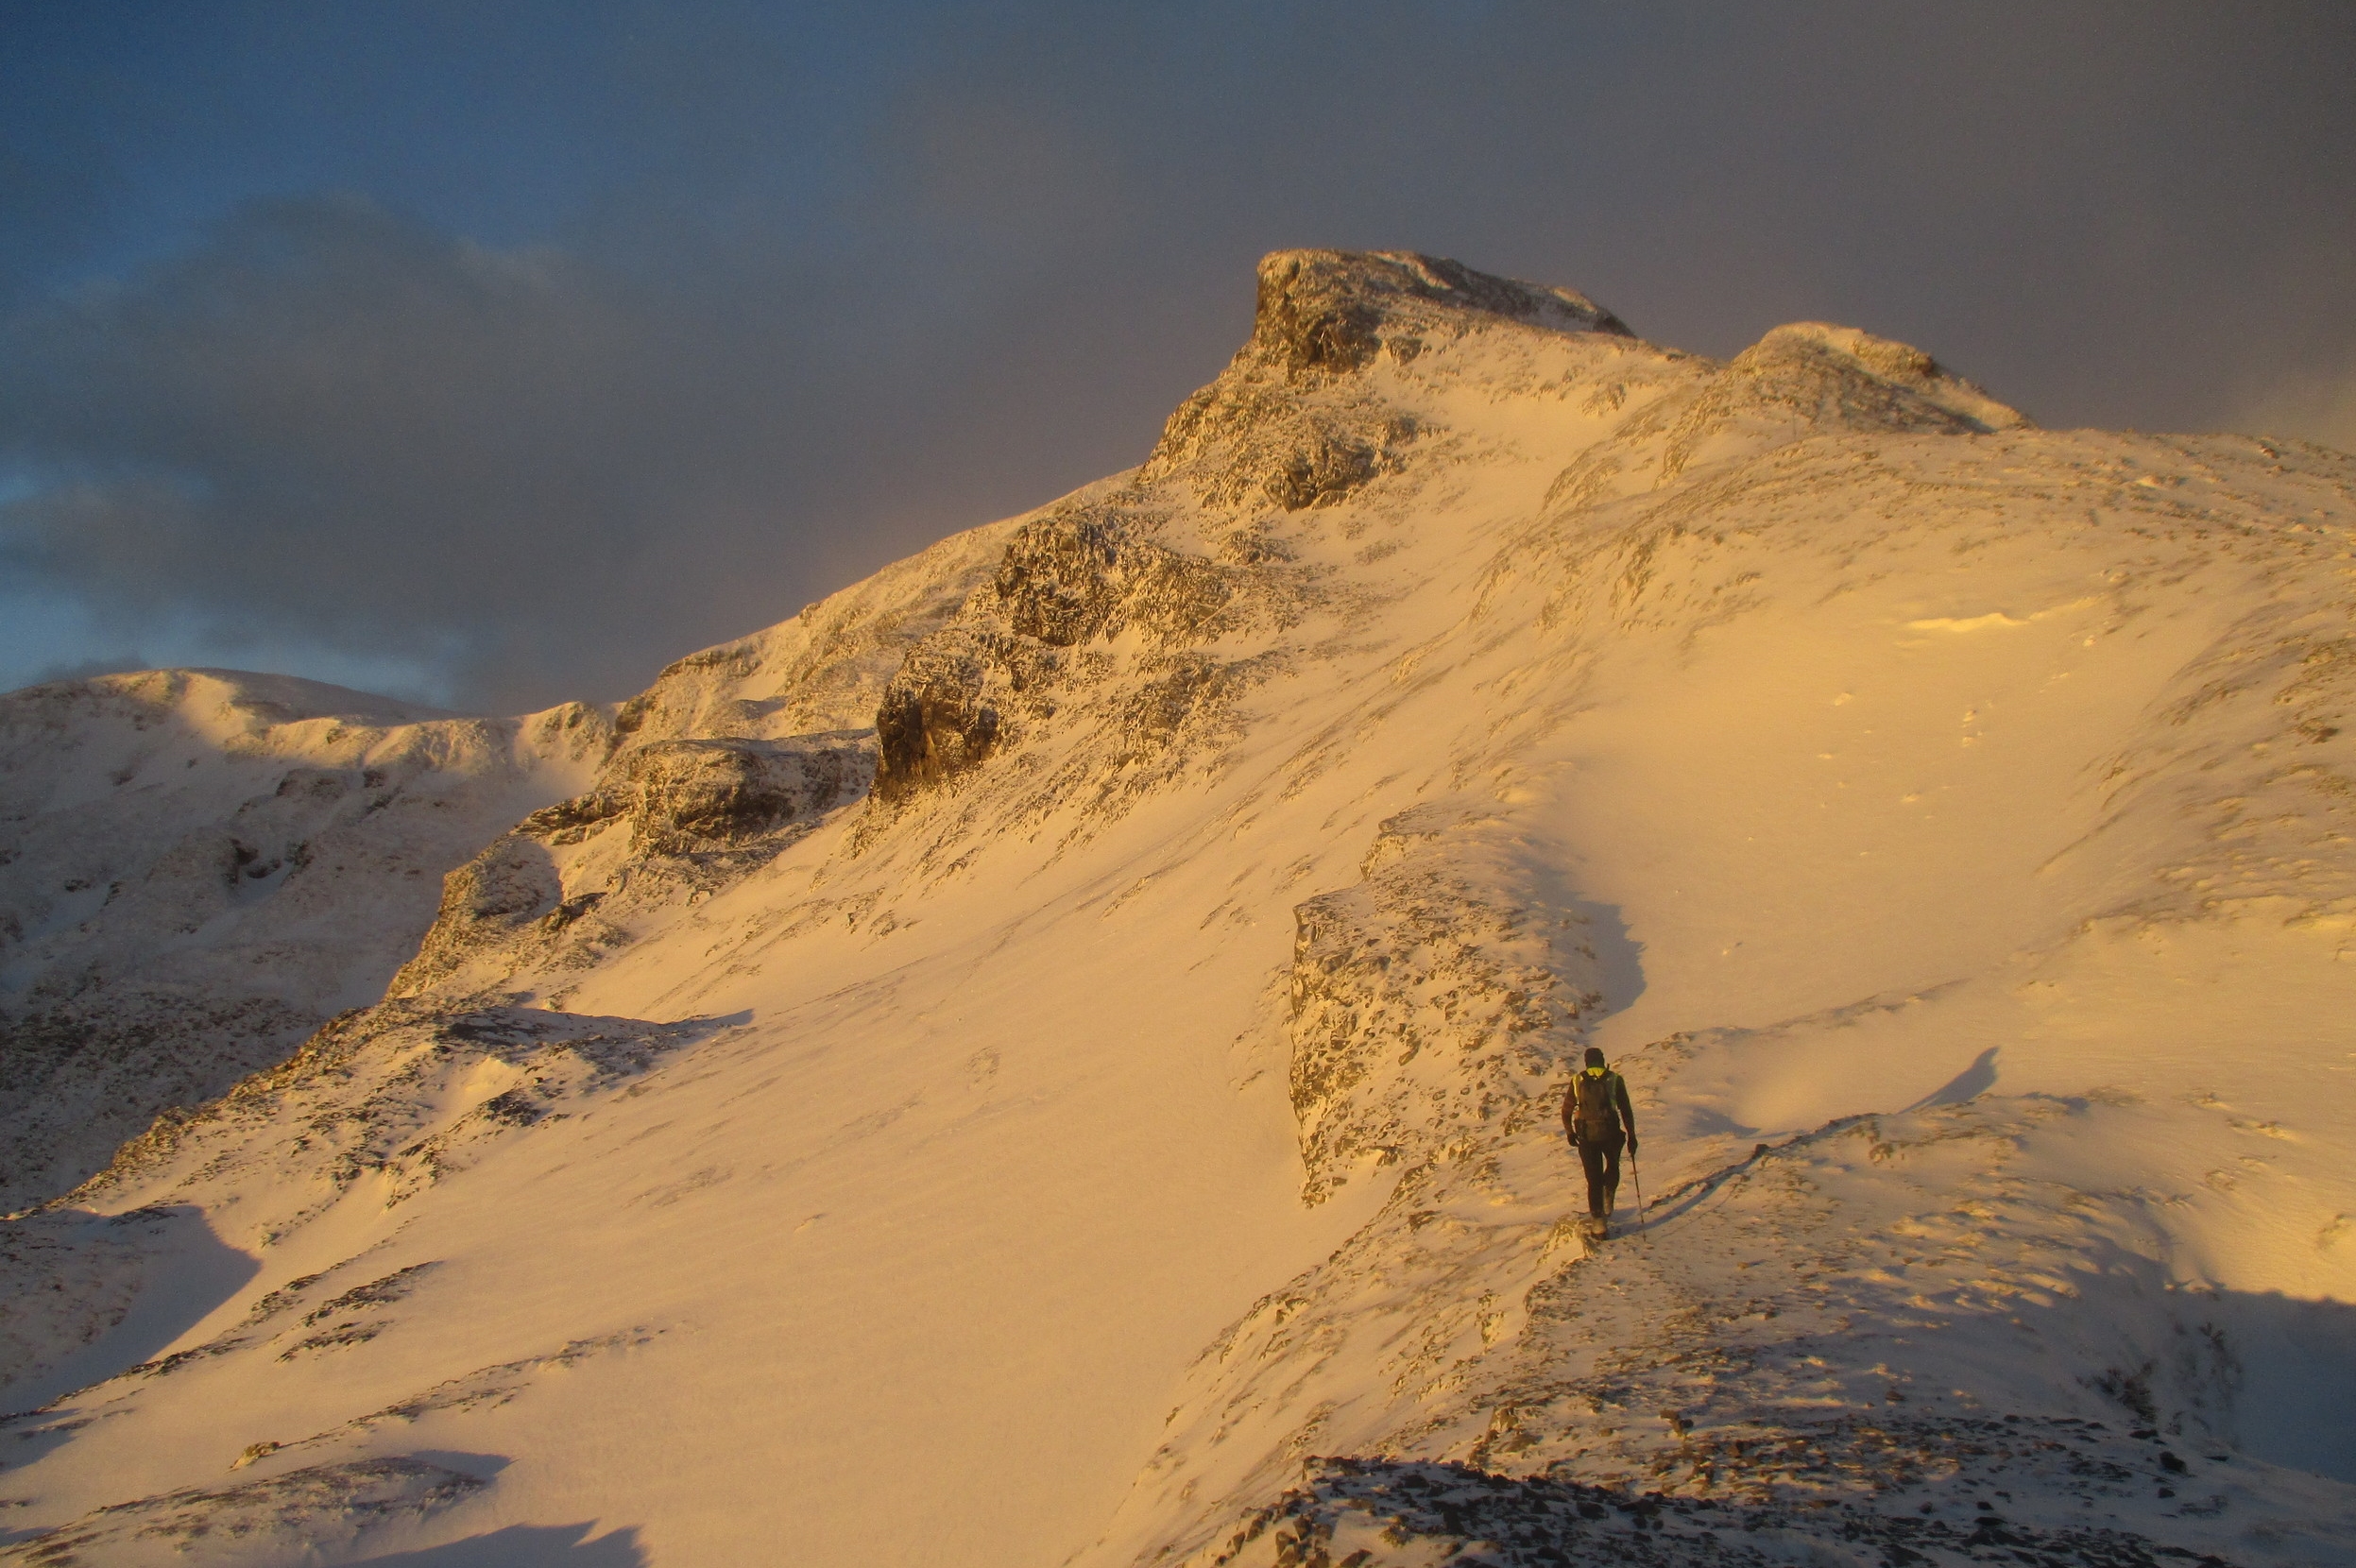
1632	1145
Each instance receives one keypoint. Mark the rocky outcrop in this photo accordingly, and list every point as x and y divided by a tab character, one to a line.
1334	311
412	1091
1810	379
1083	573
939	717
298	1513
1803	380
1290	422
1434	1004
667	813
1385	1511
1251	444
503	889
689	797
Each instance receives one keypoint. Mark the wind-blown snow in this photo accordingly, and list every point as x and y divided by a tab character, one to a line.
1126	1131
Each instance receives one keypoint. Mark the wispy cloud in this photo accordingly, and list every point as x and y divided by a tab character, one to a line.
2313	407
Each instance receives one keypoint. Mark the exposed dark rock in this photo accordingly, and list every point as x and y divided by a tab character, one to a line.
690	795
1057	580
1328	310
1421	1010
1326	468
936	719
499	894
703	808
1253	547
1176	599
289	1515
683	797
1289	422
371	1121
378	1292
1311	317
321	784
347	1316
1080	574
1244	444
510	882
570	821
1361	1510
1158	709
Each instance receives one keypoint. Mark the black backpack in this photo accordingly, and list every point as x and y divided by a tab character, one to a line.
1592	1103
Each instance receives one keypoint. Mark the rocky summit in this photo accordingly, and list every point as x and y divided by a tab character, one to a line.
1053	1054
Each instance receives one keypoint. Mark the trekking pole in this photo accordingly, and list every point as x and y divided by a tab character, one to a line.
1638	1171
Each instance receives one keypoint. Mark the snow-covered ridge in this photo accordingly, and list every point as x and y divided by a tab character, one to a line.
1124	1133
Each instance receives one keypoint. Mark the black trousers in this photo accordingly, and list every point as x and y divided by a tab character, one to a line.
1601	1162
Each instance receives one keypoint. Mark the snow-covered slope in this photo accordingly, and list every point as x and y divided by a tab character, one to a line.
201	866
1123	1132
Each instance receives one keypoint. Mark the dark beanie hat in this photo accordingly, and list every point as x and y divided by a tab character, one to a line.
1595	1056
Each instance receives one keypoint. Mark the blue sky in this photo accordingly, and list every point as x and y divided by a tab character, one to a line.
501	354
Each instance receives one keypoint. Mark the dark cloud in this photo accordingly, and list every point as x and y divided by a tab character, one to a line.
332	421
330	424
642	325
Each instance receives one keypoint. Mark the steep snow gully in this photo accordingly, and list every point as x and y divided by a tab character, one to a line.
1049	1056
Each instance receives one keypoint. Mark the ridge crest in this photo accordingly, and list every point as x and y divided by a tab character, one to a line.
1323	310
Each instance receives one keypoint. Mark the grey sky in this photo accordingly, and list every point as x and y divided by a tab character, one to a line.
502	355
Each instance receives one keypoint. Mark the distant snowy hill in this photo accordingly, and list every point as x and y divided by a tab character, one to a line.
1053	1055
199	867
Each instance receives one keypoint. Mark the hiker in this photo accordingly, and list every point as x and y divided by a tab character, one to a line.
1598	1118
